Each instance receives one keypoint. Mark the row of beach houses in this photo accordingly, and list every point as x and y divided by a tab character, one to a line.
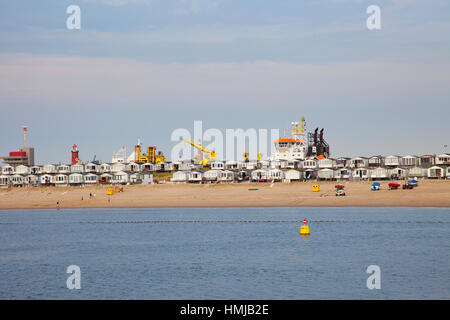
356	168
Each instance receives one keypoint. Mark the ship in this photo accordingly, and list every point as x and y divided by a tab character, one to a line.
301	146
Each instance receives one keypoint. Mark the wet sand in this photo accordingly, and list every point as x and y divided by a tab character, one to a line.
429	193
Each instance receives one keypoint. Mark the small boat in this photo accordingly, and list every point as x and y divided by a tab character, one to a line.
375	186
339	190
393	186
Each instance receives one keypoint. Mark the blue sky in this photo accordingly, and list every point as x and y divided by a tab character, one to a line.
142	68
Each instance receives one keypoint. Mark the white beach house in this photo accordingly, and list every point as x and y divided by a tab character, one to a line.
292	175
226	176
212	175
77	168
61	179
49	168
195	177
120	177
409	161
91	168
361	173
275	175
46	179
17	180
31	179
105	178
427	160
436	172
7	170
443	159
342	162
376	161
392	161
90	178
150	167
310	164
379	173
76	179
63	168
133	167
398	173
4	180
359	162
217	165
104	168
180	176
36	170
326	163
417	172
325	174
342	174
260	175
21	169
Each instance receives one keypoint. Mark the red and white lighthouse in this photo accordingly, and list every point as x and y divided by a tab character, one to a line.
75	158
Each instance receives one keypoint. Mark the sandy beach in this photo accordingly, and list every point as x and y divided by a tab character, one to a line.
429	194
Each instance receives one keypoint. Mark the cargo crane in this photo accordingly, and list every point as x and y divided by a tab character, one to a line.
151	157
209	155
246	158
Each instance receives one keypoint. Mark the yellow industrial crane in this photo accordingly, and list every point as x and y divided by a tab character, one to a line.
155	157
246	159
150	157
208	154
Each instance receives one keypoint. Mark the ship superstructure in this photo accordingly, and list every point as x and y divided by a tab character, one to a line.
300	146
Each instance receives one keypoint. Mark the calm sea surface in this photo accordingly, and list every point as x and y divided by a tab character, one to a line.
237	253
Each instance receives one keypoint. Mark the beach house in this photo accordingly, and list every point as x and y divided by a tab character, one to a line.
226	176
180	177
76	179
91	178
359	162
379	173
61	179
436	172
292	175
120	177
409	161
212	175
325	174
392	161
63	168
376	161
443	159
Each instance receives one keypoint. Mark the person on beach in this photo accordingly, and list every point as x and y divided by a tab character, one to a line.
57	205
90	195
94	195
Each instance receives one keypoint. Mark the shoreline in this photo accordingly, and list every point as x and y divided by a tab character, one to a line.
429	193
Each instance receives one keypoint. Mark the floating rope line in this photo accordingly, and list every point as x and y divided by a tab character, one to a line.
229	221
254	221
210	221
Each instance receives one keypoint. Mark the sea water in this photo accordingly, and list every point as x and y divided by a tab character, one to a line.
229	253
